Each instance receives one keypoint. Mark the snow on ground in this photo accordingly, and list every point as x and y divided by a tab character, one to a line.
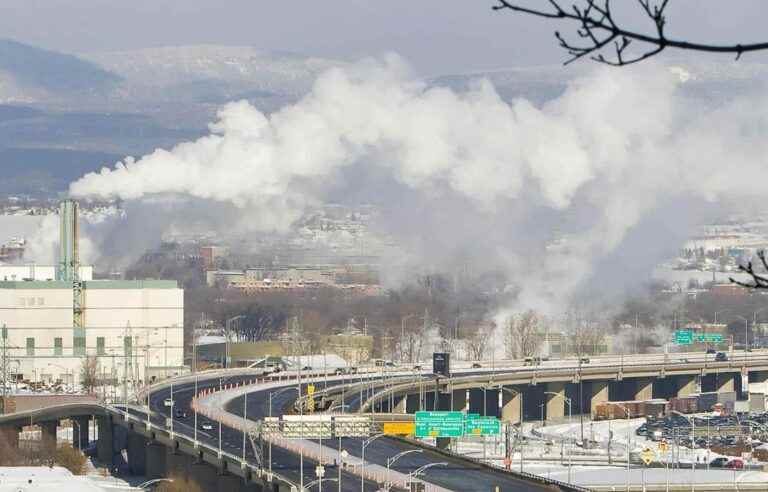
547	451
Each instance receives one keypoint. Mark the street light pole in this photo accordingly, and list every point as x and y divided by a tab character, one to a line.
362	458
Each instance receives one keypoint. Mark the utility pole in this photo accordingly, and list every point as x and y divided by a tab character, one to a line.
4	368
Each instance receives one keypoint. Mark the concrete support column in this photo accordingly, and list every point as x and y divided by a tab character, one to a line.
686	385
137	454
511	405
725	383
105	446
460	401
48	433
599	395
156	461
401	405
643	388
555	398
80	431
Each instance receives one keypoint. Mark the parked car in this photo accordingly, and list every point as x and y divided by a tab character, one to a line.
719	462
476	365
721	357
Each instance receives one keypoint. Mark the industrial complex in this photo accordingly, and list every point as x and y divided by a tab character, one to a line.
53	323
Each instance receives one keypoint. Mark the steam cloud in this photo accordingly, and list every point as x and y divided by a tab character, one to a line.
617	151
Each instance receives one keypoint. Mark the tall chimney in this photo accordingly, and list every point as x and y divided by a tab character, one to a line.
69	255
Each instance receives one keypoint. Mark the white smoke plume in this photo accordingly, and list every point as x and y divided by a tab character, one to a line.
617	148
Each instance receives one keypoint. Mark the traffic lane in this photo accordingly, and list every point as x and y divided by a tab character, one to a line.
458	475
284	462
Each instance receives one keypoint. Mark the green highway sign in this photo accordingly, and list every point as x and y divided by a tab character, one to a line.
482	426
439	424
684	337
709	337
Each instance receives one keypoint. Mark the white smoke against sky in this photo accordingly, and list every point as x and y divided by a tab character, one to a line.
616	147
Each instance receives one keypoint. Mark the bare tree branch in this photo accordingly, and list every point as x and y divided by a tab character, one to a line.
599	31
759	281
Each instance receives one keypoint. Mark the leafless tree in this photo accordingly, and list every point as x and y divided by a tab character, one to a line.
598	31
89	373
586	338
521	336
477	343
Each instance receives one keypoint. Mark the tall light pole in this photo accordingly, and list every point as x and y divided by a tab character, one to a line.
365	444
628	438
570	421
391	461
520	419
227	329
746	337
301	456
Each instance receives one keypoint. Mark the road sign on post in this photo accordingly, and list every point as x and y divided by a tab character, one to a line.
483	426
709	338
684	337
439	424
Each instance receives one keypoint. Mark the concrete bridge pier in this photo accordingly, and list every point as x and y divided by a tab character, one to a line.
48	434
686	385
643	388
725	383
137	454
401	405
599	394
555	400
105	444
80	432
155	466
510	405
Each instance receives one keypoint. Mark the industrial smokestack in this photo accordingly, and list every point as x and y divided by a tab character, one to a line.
69	255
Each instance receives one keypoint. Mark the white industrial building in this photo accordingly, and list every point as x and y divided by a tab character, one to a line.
134	329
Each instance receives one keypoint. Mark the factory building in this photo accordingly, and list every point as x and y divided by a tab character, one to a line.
133	329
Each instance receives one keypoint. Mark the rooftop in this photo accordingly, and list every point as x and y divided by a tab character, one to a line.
92	284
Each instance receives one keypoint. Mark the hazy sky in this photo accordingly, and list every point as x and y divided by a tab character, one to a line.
436	35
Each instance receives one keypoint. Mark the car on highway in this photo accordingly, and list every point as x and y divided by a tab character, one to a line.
735	464
711	351
340	371
721	357
306	368
476	365
168	402
584	360
206	426
417	367
180	414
